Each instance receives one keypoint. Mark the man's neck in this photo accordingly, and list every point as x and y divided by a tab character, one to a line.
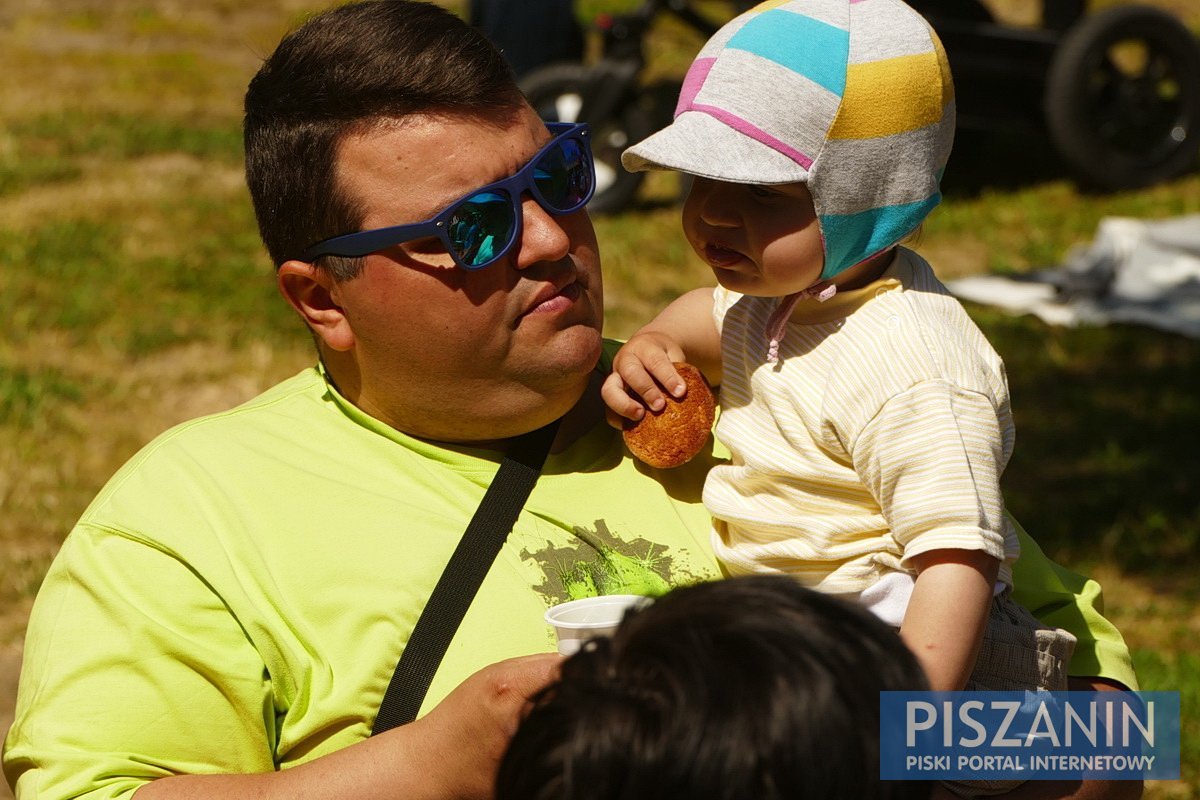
579	419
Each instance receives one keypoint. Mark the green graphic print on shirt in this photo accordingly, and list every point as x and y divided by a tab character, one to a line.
600	563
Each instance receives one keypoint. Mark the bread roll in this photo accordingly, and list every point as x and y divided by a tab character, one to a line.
674	435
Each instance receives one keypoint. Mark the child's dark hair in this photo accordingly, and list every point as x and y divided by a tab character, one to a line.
752	688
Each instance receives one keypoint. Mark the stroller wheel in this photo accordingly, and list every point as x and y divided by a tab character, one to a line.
1122	98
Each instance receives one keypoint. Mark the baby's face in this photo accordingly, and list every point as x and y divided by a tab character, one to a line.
759	240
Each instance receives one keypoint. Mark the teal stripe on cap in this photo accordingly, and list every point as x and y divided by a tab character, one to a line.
812	48
851	238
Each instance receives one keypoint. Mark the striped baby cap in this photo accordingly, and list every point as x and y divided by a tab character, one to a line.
853	97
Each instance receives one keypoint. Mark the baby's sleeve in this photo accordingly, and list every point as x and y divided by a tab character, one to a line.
932	457
723	300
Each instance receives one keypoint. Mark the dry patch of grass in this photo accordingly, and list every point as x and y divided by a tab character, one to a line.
127	189
98	54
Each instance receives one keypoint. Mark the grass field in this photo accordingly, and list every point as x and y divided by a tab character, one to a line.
134	294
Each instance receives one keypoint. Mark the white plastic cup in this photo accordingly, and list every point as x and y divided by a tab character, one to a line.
577	621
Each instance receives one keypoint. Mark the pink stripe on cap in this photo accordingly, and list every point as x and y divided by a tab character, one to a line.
757	134
696	75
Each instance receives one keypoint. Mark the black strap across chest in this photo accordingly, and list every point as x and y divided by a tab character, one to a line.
460	581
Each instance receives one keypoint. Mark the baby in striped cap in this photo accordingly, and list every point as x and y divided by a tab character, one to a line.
866	415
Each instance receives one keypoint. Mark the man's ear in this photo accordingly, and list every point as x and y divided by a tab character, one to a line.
313	293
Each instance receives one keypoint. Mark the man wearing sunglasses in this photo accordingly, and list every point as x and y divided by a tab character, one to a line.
224	619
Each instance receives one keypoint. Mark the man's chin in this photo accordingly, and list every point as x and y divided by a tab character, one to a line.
568	355
579	348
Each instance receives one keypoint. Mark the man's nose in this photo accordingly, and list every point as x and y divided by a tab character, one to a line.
542	236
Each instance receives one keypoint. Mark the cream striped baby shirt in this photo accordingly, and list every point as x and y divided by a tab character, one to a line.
881	433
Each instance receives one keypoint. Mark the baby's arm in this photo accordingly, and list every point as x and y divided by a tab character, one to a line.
947	613
683	331
932	456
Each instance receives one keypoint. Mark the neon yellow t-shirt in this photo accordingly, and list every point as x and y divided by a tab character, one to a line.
237	596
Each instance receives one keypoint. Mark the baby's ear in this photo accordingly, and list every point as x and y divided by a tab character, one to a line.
312	291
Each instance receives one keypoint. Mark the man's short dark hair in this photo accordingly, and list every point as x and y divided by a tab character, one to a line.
753	688
342	72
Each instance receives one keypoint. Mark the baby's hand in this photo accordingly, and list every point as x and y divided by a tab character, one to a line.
642	369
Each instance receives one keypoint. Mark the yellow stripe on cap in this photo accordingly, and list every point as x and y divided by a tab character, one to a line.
944	68
884	98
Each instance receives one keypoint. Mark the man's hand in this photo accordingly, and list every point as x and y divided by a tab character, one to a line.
459	743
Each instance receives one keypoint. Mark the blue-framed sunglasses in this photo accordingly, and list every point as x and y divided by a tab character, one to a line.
480	228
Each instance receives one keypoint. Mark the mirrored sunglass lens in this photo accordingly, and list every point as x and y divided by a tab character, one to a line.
481	227
562	175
